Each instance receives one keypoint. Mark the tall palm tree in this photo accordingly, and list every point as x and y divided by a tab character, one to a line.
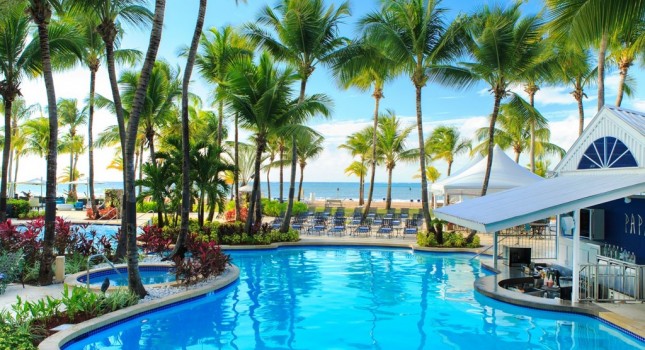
575	70
75	146
271	152
391	147
20	58
71	117
110	14
366	65
446	143
310	146
307	34
130	229
359	144
595	22
433	175
218	49
626	46
504	47
263	97
37	136
415	36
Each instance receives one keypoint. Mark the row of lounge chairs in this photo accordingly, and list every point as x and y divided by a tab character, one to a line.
389	225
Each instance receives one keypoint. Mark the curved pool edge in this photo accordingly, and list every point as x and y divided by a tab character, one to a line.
57	340
72	280
489	286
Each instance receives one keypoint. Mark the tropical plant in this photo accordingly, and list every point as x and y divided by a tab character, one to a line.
72	117
415	36
625	46
359	144
505	45
263	97
594	22
391	147
446	143
309	146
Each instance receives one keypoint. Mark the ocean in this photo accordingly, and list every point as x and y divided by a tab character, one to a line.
401	191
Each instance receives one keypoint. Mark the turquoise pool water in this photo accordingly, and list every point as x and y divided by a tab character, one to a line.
355	298
149	275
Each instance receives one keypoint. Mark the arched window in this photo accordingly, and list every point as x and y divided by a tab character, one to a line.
607	152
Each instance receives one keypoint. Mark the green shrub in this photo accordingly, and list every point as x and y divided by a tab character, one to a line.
275	208
146	207
241	238
32	214
450	240
14	338
19	207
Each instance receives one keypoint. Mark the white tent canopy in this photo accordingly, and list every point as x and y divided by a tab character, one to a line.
505	174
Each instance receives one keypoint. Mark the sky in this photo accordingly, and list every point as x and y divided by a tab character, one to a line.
352	109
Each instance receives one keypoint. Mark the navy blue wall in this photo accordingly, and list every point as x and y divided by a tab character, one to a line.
625	225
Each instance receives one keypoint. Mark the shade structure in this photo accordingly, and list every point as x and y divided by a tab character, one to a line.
505	174
81	181
37	181
541	199
246	188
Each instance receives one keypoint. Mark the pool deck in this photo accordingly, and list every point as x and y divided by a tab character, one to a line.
629	316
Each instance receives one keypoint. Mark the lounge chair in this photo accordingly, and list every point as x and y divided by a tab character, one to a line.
411	227
338	226
386	228
319	226
363	228
405	213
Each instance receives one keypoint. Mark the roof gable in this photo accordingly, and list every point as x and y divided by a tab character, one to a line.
610	122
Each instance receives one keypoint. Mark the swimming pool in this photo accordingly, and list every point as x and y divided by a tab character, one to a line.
149	275
354	298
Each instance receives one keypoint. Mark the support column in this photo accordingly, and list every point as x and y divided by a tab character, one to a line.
575	293
495	234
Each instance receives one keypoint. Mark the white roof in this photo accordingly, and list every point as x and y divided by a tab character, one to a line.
541	199
505	174
633	118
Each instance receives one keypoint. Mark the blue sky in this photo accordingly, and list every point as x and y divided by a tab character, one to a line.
467	110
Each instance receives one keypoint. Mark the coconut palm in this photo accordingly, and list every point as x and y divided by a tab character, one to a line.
574	69
72	117
366	65
310	146
263	97
391	147
504	47
432	174
157	184
75	146
306	35
271	152
37	136
218	49
446	143
416	37
626	46
595	22
359	144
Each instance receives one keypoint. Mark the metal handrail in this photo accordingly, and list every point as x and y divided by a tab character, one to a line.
89	259
612	280
489	247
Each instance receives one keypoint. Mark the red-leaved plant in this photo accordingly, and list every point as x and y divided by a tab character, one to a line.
230	215
206	259
153	240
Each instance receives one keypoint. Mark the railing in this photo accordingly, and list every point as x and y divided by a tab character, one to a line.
489	247
612	280
541	239
89	260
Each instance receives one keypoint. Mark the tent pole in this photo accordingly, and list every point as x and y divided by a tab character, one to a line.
495	249
575	293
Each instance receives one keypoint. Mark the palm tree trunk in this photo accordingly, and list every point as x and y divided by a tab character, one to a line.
139	161
532	131
623	69
15	174
581	114
302	177
211	207
118	106
220	122
238	213
256	184
388	197
292	186
200	213
41	14
281	174
378	94
602	51
134	277
491	142
90	143
8	101
71	172
269	182
10	167
422	164
361	185
151	147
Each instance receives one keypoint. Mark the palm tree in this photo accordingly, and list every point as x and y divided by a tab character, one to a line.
504	47
109	15
365	64
445	143
271	152
574	69
432	174
391	147
416	37
37	136
626	46
310	146
263	97
218	49
72	117
20	57
130	229
595	21
157	183
307	34
359	144
75	146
